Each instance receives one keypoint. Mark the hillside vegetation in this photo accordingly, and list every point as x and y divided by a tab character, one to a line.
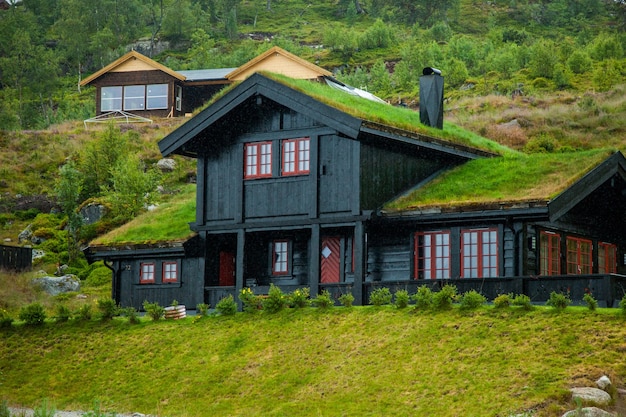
361	361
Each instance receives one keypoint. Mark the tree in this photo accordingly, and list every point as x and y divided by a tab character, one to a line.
132	187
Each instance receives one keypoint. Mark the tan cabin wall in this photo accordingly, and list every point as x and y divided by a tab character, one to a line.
280	65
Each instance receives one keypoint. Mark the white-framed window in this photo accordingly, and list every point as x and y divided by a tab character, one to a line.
156	96
134	97
110	99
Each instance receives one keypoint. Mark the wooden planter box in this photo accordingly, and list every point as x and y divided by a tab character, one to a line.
175	312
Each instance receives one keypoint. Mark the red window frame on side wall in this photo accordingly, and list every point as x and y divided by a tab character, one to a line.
147	272
549	253
296	156
579	255
280	257
607	258
257	160
432	255
479	253
170	272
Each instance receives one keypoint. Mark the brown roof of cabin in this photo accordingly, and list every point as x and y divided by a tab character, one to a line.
127	57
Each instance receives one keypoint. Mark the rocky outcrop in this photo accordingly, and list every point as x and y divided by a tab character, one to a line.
589	412
589	395
58	285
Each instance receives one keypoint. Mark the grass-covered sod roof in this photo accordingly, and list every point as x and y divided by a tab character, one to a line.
381	113
167	223
510	179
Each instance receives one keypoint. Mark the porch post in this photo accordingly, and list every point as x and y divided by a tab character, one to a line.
239	264
360	250
314	261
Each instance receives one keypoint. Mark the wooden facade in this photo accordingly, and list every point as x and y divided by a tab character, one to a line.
291	192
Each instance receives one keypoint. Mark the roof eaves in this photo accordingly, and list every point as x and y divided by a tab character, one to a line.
570	197
126	57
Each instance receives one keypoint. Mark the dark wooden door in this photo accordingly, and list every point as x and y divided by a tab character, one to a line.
330	260
227	269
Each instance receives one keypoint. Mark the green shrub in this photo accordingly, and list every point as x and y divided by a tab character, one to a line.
227	306
5	320
275	301
203	309
622	305
423	298
401	299
84	312
98	277
251	302
591	302
44	410
63	313
472	300
131	313
323	300
347	299
559	300
108	308
443	299
523	301
154	310
299	298
4	409
502	301
33	314
380	296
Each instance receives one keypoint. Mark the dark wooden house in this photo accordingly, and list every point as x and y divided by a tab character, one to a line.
303	186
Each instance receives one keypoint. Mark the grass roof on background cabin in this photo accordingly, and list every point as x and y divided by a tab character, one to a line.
169	222
509	179
381	113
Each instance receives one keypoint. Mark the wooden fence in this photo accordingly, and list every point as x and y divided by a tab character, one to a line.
16	258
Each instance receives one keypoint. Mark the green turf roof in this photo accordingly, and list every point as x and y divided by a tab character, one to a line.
169	222
383	114
508	180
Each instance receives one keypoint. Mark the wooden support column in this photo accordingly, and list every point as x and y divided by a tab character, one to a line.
360	251
314	261
239	264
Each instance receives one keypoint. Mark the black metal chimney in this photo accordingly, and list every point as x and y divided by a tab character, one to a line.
431	98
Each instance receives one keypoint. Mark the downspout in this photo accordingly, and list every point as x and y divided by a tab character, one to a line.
114	280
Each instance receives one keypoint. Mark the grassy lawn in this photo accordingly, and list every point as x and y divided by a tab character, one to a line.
364	361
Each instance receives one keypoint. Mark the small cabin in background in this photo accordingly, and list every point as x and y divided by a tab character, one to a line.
140	86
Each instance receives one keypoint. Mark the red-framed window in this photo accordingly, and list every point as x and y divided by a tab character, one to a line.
146	275
258	160
296	156
549	253
280	257
607	258
479	253
170	272
432	255
579	252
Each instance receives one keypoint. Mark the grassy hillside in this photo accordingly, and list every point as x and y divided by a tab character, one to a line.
364	361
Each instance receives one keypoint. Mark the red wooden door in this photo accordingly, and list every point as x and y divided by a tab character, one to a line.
330	260
227	269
